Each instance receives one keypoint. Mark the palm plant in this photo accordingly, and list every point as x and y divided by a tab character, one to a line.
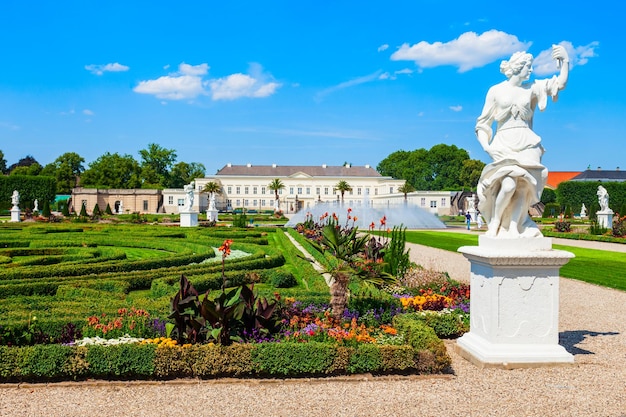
343	186
212	188
405	189
276	185
351	251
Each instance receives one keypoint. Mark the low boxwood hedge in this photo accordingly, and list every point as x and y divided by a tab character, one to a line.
424	353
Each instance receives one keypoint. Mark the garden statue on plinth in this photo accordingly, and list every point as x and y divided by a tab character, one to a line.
188	217
583	211
605	215
514	271
211	213
15	210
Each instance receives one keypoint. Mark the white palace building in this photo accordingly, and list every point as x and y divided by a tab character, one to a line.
246	187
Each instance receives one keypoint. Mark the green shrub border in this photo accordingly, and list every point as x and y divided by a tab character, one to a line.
424	354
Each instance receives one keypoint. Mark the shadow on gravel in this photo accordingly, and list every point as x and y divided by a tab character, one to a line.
571	338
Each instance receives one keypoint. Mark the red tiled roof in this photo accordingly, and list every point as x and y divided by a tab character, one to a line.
557	177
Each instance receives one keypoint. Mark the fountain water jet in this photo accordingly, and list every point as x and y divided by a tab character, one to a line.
410	216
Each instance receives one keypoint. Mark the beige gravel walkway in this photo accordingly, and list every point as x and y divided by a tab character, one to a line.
593	328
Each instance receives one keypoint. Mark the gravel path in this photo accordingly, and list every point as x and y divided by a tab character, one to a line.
592	326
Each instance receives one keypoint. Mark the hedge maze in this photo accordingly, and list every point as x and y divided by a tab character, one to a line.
66	273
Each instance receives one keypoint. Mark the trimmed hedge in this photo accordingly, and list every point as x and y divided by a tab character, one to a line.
424	353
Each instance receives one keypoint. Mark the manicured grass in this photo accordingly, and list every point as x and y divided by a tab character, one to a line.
599	267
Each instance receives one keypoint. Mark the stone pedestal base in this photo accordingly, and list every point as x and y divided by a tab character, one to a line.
514	310
605	218
16	215
188	219
211	215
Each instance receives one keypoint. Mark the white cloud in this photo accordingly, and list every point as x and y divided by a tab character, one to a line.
468	51
579	55
404	71
101	69
350	83
188	83
383	47
456	108
168	87
88	112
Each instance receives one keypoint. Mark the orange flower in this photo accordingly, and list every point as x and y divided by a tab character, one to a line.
225	248
383	221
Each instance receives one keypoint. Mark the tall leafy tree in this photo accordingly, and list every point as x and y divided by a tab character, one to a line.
470	173
3	163
183	173
436	169
156	163
112	171
25	166
343	187
67	169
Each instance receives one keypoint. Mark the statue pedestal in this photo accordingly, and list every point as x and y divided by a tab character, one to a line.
188	219
211	215
605	218
514	310
16	215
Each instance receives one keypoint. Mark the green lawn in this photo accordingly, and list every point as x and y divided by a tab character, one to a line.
599	267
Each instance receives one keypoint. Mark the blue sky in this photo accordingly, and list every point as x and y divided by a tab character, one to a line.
298	83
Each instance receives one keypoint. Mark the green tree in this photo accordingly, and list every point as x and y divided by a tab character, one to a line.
470	173
439	168
183	173
112	171
343	187
548	195
83	210
405	189
67	169
3	163
27	161
276	185
156	163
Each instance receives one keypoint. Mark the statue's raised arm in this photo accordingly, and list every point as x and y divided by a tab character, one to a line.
514	181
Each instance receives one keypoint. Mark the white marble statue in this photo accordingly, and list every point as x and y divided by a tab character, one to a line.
470	203
36	205
189	196
583	211
515	179
120	208
15	198
603	199
212	202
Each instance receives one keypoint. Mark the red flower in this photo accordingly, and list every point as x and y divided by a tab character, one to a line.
383	221
225	248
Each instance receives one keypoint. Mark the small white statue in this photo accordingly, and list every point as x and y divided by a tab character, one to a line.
189	190
36	205
212	202
15	199
583	211
603	198
120	208
514	181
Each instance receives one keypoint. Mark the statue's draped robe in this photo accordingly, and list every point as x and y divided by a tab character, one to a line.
517	154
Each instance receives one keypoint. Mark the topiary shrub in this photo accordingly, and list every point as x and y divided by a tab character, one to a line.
96	211
280	278
108	210
83	211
